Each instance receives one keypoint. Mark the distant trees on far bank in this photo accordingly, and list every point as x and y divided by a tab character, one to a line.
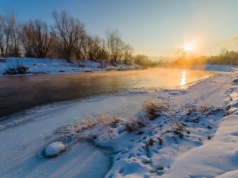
67	38
35	39
225	57
9	36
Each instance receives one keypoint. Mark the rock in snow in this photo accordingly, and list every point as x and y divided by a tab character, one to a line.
54	149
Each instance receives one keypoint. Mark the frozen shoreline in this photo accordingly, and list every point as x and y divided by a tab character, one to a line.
38	66
24	142
59	66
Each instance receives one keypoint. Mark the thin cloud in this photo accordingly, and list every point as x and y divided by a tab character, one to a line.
228	40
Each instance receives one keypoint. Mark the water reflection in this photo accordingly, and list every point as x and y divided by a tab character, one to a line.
183	80
23	92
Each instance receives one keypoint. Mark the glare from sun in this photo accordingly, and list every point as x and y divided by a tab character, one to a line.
188	47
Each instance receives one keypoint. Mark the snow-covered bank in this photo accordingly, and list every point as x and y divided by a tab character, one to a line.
210	149
216	157
209	67
59	66
132	158
23	143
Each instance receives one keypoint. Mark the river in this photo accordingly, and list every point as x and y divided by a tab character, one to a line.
18	93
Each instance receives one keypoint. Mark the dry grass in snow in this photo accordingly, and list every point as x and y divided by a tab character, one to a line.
154	109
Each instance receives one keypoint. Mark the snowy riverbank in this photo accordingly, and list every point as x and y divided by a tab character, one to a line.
204	147
59	66
195	137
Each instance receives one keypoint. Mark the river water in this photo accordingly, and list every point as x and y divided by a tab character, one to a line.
18	93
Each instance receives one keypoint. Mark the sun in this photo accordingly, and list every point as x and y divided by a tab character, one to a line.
188	47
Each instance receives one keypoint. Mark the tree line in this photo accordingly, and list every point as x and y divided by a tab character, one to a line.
67	38
224	57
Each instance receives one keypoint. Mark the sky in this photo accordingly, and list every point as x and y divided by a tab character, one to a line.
152	27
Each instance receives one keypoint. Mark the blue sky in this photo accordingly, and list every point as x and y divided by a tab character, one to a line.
153	27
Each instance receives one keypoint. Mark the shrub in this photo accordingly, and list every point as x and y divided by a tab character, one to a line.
154	109
19	69
102	123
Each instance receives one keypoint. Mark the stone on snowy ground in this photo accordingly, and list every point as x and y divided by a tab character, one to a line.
54	149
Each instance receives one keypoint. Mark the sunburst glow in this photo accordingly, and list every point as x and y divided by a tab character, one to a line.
188	47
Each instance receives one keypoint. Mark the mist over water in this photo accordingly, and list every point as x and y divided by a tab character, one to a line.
18	93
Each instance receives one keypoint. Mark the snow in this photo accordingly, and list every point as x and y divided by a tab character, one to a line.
207	147
213	158
54	149
23	142
58	66
224	68
81	161
231	174
195	151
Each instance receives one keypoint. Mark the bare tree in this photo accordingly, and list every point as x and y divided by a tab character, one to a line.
1	38
128	53
102	52
26	38
66	39
81	47
9	36
97	49
93	48
115	45
67	31
36	39
55	50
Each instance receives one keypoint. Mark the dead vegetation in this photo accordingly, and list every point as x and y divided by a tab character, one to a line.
103	123
154	109
206	109
170	125
159	127
14	70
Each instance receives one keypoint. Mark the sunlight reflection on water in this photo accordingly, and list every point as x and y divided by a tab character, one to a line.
183	80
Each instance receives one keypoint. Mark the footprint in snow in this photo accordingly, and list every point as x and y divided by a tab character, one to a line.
121	171
131	155
122	153
155	151
129	147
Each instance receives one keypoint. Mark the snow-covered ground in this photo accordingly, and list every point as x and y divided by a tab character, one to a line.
202	144
58	66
